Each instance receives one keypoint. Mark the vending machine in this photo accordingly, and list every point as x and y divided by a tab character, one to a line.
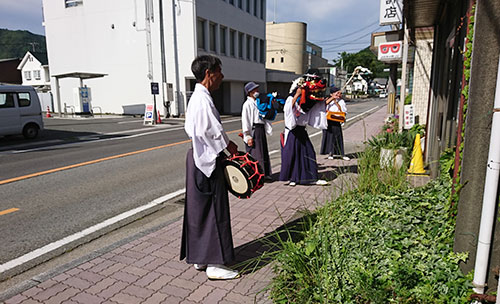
83	98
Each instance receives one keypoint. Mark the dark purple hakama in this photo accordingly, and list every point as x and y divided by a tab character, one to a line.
206	231
298	159
332	142
260	151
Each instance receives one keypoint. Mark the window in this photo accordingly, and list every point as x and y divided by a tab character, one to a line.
240	4
248	6
232	42
255	10
262	51
272	60
24	99
255	49
249	41
212	36
6	100
262	8
282	59
36	74
71	3
231	2
240	45
200	29
222	38
27	75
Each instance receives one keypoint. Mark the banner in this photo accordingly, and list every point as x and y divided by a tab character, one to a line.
391	12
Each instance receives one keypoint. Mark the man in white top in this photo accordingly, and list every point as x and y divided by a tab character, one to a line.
206	234
255	129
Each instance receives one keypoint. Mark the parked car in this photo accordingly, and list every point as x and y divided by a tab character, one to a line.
382	95
20	111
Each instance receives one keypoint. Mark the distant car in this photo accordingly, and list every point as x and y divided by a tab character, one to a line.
382	95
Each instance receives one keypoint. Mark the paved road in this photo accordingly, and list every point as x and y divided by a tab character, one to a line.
55	205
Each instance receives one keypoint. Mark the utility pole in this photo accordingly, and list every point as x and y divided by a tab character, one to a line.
176	63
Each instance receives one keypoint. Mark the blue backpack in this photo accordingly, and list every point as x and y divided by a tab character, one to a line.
268	108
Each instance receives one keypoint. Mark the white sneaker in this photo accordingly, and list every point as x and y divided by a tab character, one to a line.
330	157
321	182
221	272
345	158
292	184
200	267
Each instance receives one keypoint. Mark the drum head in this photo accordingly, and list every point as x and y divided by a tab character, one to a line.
237	181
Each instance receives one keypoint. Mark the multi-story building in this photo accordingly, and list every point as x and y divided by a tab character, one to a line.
131	44
289	50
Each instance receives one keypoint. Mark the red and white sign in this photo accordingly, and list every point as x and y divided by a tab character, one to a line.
390	51
409	116
148	114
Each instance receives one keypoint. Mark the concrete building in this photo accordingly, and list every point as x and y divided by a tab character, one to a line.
34	69
130	44
289	50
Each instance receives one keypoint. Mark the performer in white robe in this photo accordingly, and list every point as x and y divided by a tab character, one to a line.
298	158
206	235
255	129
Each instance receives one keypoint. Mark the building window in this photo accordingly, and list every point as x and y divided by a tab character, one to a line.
262	9
282	59
71	3
36	74
272	60
222	38
6	100
255	49
200	29
263	51
240	4
249	41
240	45
24	99
231	2
27	75
255	8
212	36
248	6
232	42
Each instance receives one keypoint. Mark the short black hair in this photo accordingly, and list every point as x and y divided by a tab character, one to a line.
202	63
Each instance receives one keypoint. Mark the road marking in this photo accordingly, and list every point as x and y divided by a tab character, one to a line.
15	179
53	246
132	121
9	211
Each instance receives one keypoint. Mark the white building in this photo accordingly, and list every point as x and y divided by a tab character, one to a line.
111	38
35	71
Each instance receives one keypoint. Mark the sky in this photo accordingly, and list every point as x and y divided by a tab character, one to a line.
334	25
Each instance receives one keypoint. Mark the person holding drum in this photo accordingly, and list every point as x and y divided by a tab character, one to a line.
298	158
332	142
206	233
254	129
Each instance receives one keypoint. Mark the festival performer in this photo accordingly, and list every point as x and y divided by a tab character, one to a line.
332	142
255	128
206	233
298	158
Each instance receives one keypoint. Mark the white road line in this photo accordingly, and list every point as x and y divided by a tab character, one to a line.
132	121
57	244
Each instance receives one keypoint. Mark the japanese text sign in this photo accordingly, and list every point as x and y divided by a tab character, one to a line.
391	12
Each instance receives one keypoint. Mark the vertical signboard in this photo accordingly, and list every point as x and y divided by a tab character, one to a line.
409	118
391	12
148	114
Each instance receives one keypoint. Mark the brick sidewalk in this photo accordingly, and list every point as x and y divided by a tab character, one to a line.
147	270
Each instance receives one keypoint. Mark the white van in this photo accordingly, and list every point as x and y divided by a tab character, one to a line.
20	111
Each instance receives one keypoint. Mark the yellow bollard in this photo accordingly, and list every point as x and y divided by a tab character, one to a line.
417	160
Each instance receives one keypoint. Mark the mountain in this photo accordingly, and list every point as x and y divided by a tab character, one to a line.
14	44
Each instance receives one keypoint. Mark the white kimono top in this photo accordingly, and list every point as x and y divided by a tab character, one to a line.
315	117
332	107
250	116
204	127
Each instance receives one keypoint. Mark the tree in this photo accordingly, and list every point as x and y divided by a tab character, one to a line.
364	58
